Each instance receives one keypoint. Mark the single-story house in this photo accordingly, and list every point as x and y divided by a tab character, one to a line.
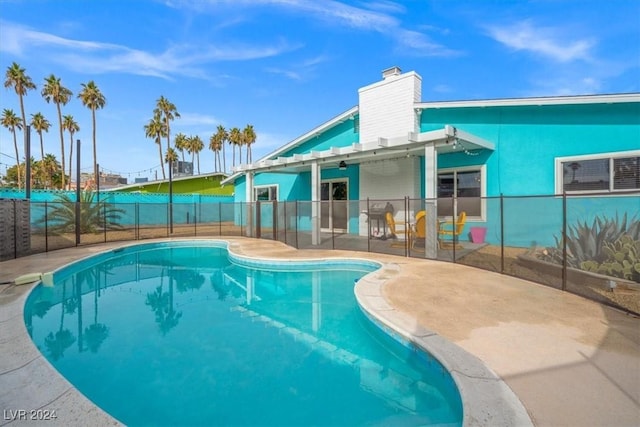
446	157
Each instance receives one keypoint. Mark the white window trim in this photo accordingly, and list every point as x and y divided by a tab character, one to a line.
257	187
483	190
559	173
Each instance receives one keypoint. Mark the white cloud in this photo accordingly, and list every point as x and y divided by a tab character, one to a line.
372	17
94	57
545	41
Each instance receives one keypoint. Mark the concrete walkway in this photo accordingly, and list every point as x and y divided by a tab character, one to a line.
570	361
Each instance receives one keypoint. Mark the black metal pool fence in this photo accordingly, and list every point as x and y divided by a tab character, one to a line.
585	244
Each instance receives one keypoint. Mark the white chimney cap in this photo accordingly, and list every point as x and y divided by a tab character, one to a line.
393	71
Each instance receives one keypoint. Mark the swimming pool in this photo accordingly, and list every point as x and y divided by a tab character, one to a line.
188	334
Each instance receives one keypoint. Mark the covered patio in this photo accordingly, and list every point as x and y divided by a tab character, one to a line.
424	146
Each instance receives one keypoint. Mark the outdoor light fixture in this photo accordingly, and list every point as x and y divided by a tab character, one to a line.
342	166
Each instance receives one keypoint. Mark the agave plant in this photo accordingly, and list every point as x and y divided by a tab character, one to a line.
591	246
623	259
93	215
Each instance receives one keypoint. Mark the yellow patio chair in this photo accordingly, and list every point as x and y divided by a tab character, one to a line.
418	230
452	228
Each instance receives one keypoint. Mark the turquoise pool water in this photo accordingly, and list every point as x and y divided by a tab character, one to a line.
185	334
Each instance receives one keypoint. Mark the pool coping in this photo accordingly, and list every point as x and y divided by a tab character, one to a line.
486	399
31	383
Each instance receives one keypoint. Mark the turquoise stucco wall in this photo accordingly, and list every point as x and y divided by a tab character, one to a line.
297	187
341	135
528	139
527	142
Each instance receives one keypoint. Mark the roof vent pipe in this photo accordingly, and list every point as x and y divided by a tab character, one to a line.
393	71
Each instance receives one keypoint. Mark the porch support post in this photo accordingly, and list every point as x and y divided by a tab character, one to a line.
249	203
315	203
431	195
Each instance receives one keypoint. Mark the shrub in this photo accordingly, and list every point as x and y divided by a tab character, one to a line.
623	259
599	246
93	215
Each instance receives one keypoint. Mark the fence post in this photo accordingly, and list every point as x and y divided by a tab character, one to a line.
501	233
195	220
274	220
368	228
219	218
258	217
333	234
296	227
46	228
15	229
137	221
78	207
104	219
564	240
407	232
284	213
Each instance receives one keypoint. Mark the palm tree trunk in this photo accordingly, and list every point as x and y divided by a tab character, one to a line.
61	144
224	166
41	147
95	153
70	157
161	162
15	146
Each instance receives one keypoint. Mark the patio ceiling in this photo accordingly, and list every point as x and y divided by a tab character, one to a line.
447	140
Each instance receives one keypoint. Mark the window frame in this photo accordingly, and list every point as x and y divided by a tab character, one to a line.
269	187
610	156
483	189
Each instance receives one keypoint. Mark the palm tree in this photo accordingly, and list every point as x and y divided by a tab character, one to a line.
168	112
235	139
54	91
249	138
196	147
94	215
214	145
40	124
13	122
156	129
51	167
72	127
219	139
38	174
93	99
171	157
181	142
17	79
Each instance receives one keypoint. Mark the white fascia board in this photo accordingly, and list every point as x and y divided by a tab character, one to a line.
481	143
231	178
547	100
313	133
367	149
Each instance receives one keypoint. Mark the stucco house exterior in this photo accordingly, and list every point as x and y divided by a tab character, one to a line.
451	156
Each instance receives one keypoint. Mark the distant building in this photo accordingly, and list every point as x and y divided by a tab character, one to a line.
107	180
182	168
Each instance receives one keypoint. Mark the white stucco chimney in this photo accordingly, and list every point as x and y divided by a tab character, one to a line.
386	108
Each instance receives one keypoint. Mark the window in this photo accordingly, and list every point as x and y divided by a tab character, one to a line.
467	186
598	173
266	193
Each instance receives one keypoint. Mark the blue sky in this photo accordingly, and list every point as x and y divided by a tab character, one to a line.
286	66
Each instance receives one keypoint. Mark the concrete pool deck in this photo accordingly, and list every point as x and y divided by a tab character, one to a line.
569	361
